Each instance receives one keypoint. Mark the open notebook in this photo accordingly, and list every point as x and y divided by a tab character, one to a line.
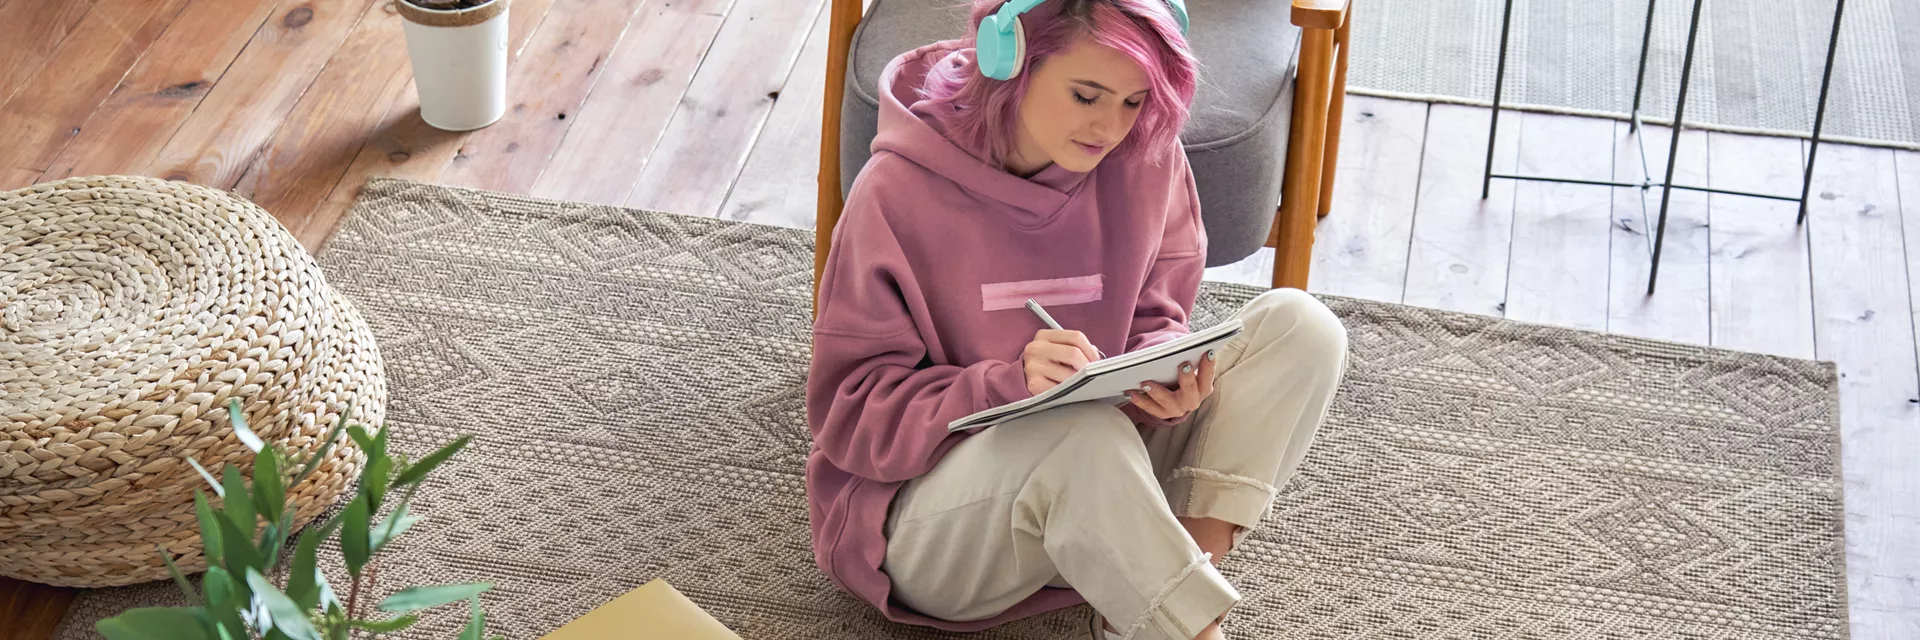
1107	380
654	611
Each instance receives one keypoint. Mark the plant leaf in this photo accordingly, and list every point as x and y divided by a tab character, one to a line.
288	618
396	523
240	556
385	626
224	600
353	537
270	542
327	598
156	623
240	429
362	438
373	481
477	625
300	583
326	447
418	471
178	577
220	589
413	599
269	496
238	505
211	481
210	540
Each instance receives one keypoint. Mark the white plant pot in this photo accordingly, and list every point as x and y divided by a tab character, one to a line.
459	63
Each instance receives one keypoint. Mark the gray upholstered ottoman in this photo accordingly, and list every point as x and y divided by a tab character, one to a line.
1236	140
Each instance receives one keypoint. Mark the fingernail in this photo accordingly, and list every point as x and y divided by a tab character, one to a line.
1145	388
1209	356
1186	367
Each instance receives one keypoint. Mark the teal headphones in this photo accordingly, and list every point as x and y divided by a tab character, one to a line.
1000	46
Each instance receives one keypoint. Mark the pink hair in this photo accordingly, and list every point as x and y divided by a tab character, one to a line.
983	112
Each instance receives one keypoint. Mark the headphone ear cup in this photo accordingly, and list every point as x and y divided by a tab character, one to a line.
993	50
1019	48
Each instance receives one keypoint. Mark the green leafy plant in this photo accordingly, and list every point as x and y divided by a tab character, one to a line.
237	601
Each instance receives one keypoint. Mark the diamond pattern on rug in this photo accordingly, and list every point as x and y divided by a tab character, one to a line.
636	383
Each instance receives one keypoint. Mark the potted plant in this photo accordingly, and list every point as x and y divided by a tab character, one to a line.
236	600
459	53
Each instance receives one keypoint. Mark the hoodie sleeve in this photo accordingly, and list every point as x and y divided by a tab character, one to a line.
877	407
1174	279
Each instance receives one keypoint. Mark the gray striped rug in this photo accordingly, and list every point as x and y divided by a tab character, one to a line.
1756	66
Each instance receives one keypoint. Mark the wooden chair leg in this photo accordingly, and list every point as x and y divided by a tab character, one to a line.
1306	149
840	26
1336	114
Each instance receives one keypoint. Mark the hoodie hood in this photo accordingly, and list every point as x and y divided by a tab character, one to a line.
907	128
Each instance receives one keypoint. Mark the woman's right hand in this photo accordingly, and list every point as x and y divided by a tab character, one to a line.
1053	356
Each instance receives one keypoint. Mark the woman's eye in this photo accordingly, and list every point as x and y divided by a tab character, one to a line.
1083	99
1134	104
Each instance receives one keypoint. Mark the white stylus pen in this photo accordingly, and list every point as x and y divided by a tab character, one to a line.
1035	308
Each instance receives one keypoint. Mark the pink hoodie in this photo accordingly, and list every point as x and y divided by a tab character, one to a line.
921	317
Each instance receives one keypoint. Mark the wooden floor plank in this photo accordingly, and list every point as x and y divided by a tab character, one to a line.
1360	248
622	119
47	111
1760	298
404	146
1557	272
1678	310
329	125
233	123
1255	269
29	34
1883	485
779	183
11	179
32	611
126	133
724	109
566	57
1461	243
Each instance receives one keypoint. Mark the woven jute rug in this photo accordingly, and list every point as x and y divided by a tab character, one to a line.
635	380
1756	63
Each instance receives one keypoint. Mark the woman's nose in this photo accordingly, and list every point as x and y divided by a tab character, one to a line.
1110	124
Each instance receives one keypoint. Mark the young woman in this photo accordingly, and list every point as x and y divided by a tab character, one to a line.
1064	183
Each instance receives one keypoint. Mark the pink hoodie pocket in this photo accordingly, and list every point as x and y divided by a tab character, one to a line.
1056	291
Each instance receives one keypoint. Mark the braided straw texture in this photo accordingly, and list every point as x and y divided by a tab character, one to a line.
131	309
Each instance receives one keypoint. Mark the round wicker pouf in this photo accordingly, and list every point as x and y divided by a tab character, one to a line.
131	309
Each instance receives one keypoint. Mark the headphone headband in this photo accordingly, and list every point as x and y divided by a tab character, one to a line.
1000	44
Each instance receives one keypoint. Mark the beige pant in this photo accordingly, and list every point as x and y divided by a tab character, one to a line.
1078	496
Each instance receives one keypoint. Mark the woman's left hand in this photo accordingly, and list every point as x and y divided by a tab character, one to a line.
1173	405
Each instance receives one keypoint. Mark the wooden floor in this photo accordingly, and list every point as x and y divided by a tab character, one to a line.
712	107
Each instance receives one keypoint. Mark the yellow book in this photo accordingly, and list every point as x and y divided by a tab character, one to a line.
655	611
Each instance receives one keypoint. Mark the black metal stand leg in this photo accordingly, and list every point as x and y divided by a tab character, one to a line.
1820	112
1640	79
1673	145
1499	83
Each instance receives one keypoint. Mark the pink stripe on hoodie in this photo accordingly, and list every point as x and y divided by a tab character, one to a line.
910	336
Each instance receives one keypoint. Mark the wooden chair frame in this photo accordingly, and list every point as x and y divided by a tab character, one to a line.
1313	143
